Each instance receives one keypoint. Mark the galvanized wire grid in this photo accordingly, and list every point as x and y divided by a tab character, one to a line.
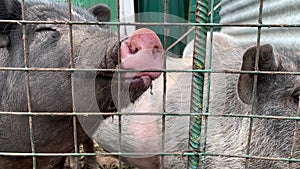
27	85
196	154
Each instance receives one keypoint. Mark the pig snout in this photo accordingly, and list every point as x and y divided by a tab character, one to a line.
142	51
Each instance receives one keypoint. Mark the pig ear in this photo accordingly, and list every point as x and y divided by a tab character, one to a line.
101	12
9	10
267	62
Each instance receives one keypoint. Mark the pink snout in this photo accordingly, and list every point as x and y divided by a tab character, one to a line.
142	51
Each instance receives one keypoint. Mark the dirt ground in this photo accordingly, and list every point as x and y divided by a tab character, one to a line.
104	162
111	163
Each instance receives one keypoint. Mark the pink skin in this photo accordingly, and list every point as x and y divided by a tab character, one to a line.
142	51
145	134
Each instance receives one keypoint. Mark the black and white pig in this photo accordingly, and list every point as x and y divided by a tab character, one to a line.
48	46
230	93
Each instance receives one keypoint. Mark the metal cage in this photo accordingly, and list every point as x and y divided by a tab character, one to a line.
203	26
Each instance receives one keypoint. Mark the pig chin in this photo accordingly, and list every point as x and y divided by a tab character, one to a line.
137	86
137	82
143	80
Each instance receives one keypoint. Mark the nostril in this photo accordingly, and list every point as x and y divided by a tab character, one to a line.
134	50
156	50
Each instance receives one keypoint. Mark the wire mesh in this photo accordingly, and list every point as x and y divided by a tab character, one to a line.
25	45
195	154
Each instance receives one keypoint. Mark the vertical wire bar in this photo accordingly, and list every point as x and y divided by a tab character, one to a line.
293	150
119	87
25	46
74	119
205	118
198	82
254	90
27	84
166	33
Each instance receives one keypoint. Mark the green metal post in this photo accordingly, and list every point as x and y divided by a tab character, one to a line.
202	7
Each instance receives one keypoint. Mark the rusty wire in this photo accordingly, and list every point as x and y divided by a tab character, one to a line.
27	85
69	22
66	22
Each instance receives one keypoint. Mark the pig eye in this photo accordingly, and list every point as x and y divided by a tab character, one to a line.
42	29
50	32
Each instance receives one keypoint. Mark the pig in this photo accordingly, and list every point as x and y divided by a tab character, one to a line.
230	94
48	46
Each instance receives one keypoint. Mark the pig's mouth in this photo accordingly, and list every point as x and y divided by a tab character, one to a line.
146	80
139	78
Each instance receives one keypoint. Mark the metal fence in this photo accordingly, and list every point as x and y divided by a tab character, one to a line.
197	152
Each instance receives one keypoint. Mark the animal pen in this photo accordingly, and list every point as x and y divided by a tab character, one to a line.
241	19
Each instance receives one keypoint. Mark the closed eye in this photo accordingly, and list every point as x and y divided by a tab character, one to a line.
41	29
47	31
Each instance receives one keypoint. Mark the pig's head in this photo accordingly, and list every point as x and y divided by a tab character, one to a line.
94	47
277	95
272	89
141	51
140	54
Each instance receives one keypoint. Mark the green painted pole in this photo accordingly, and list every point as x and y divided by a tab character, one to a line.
202	8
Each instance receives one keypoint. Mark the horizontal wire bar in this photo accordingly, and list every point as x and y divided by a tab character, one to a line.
149	113
163	70
146	114
21	22
182	154
242	156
